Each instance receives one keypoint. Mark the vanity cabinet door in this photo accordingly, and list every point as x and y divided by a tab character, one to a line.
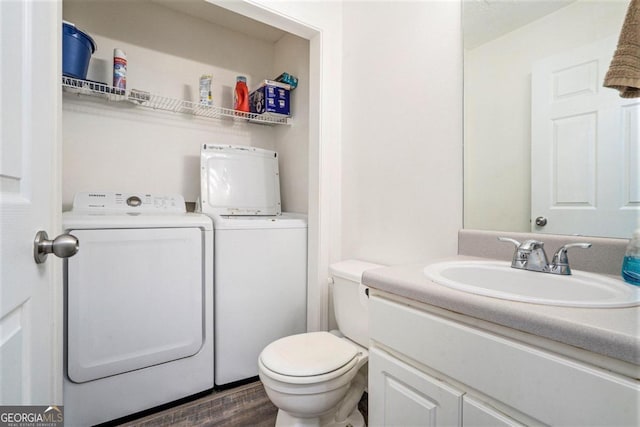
401	395
478	414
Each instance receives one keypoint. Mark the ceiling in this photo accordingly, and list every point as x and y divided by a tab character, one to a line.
485	20
224	18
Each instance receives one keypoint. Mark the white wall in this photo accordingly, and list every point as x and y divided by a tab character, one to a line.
292	142
498	108
402	130
119	147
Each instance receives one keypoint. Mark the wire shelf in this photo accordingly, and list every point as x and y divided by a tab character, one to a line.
157	102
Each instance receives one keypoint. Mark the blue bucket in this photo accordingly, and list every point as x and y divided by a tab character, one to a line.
77	48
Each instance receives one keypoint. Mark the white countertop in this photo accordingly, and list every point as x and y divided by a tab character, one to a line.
613	332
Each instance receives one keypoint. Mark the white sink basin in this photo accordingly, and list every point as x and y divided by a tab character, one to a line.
498	280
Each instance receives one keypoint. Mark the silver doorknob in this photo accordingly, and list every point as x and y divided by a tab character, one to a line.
63	246
541	221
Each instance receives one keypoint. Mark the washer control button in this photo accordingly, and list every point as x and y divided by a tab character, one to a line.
134	201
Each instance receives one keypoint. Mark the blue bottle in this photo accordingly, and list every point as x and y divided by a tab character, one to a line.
631	261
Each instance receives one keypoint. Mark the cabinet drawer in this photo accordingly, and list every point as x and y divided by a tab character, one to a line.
551	388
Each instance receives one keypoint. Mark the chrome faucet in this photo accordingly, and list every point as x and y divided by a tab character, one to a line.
530	255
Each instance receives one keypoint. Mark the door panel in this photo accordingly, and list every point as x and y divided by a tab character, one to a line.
135	300
30	304
574	171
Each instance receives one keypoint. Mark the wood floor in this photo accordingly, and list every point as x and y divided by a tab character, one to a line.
246	405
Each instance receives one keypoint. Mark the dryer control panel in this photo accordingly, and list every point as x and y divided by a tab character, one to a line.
129	202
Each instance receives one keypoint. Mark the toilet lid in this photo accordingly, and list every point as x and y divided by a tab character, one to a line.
304	355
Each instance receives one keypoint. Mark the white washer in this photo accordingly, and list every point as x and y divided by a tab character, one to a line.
260	262
138	305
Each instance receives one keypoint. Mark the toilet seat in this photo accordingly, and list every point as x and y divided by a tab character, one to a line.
309	358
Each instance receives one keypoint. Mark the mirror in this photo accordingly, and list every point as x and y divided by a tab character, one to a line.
546	147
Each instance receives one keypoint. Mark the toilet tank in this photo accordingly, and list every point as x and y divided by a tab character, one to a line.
350	299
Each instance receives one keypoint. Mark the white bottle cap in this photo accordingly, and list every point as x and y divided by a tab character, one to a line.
119	53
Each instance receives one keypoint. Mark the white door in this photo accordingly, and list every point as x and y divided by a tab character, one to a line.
30	294
585	147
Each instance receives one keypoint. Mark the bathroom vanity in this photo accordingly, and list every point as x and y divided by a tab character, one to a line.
440	356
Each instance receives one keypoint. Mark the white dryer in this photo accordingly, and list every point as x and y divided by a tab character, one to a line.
260	266
138	305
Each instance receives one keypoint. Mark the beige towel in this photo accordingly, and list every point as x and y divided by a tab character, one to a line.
624	71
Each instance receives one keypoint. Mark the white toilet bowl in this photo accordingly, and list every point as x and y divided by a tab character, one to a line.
309	376
318	378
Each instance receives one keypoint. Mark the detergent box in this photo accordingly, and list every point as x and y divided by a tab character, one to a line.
271	97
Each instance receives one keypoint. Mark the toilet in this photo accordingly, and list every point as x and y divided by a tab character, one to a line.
318	378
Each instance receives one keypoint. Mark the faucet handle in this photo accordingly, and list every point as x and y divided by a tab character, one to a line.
560	262
516	261
507	239
527	245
